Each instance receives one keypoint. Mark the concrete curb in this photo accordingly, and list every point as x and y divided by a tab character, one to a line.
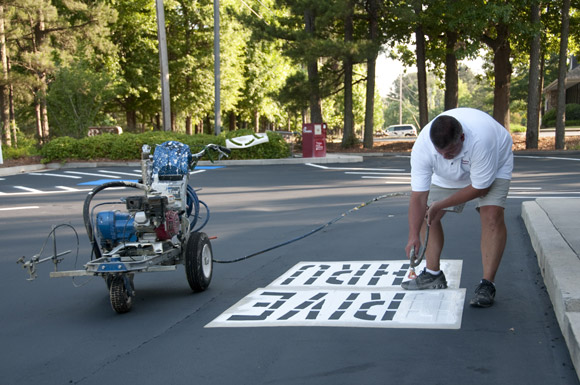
330	158
560	268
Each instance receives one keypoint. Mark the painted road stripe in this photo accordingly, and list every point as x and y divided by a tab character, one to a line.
19	208
42	192
386	177
59	175
32	190
349	294
544	192
103	181
353	168
408	174
545	157
66	188
120	173
92	174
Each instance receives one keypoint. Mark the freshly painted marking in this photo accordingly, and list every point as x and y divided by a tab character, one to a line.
386	177
19	208
349	294
92	174
58	175
103	181
208	167
378	173
120	173
66	188
545	157
196	172
32	190
369	274
42	192
354	168
426	309
545	192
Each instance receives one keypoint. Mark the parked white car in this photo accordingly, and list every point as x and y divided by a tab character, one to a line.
401	130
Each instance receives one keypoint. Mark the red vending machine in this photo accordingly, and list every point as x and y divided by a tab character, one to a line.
314	140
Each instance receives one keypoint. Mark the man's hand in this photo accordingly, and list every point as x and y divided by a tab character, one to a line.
433	212
414	243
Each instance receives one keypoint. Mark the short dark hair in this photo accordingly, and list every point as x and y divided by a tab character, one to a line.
445	130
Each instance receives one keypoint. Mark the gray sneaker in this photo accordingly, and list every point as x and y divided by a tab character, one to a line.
484	294
426	280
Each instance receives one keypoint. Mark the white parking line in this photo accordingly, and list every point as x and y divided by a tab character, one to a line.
66	188
121	173
32	190
19	208
59	175
378	173
354	168
44	192
545	157
92	174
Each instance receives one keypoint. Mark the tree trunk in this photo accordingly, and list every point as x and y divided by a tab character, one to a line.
232	121
371	72
256	121
421	71
188	124
315	102
451	72
533	118
12	114
562	69
38	120
541	87
348	135
44	112
503	71
131	116
4	88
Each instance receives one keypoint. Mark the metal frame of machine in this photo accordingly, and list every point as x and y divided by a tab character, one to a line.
157	231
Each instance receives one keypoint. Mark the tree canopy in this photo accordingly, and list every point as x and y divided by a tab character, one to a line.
69	65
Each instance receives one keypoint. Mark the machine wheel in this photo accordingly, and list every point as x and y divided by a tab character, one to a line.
198	261
121	300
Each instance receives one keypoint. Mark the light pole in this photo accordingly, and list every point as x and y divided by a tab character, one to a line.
216	54
164	66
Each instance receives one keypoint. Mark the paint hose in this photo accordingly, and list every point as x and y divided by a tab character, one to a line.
314	231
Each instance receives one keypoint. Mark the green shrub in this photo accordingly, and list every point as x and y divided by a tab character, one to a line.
128	146
60	149
517	128
572	116
275	148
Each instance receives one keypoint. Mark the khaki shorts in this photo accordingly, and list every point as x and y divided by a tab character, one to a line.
496	196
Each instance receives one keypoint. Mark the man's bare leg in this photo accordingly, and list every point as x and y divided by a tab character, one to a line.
493	239
435	243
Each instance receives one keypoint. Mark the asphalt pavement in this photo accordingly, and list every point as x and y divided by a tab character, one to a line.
553	226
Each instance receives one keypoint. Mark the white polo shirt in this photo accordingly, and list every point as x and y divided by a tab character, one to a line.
485	156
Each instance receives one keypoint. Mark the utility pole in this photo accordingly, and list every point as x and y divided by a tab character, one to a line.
164	66
401	98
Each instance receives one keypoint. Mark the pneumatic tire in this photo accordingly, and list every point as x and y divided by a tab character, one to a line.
198	261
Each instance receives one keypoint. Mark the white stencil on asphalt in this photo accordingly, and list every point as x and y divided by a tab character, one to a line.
359	274
349	294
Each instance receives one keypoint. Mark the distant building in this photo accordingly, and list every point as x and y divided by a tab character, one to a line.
572	87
